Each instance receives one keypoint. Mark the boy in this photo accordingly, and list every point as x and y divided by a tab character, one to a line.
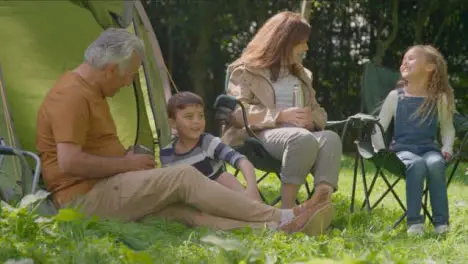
202	150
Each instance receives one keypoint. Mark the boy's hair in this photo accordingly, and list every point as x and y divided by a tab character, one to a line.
181	100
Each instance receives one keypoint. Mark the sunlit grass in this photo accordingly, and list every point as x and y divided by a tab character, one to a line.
353	238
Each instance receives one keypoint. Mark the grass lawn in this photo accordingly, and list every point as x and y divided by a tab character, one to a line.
353	238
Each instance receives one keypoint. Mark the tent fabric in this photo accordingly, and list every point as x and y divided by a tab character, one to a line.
158	89
101	11
38	51
156	83
10	167
35	52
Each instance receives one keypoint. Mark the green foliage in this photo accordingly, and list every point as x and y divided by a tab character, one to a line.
358	238
199	38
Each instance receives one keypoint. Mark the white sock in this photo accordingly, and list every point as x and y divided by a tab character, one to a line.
286	216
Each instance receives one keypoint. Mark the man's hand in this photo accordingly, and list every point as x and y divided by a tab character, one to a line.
138	162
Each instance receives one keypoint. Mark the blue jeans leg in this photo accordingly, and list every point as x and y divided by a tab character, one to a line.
416	170
437	186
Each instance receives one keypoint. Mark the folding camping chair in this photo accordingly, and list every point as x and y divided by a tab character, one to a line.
377	82
252	148
17	178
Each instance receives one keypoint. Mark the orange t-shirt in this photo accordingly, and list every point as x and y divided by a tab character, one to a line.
74	112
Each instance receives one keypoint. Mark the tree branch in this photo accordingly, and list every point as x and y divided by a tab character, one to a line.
382	45
441	29
423	14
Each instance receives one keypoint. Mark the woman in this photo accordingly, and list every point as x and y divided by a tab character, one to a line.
270	80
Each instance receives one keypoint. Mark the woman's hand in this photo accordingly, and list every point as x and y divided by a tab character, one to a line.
300	117
447	156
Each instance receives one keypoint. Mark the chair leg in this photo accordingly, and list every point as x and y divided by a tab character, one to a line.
425	210
262	196
455	166
425	204
371	187
276	201
364	182
353	190
390	186
263	177
398	222
458	158
390	189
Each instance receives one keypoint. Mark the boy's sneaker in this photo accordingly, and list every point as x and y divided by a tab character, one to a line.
441	229
415	230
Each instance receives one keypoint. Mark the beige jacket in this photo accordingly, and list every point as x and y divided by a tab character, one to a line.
254	89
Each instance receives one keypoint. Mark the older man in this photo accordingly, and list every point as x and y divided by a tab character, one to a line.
85	165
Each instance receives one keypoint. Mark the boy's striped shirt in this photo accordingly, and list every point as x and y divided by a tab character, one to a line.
207	156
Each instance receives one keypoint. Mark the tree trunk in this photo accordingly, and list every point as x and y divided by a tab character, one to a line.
382	45
423	14
198	68
306	6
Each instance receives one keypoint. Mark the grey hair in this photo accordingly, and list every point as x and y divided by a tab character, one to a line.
114	45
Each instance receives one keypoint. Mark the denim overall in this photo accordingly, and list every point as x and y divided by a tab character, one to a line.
415	144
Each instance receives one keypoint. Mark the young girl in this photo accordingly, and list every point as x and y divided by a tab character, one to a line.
422	103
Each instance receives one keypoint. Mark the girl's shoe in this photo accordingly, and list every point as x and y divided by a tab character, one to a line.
415	230
441	229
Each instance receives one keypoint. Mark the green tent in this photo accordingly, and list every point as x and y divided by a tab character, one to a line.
42	39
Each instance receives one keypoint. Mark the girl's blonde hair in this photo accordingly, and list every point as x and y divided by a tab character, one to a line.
272	46
438	83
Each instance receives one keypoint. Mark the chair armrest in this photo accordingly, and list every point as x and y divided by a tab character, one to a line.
4	150
359	117
364	117
7	151
336	123
224	106
356	119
